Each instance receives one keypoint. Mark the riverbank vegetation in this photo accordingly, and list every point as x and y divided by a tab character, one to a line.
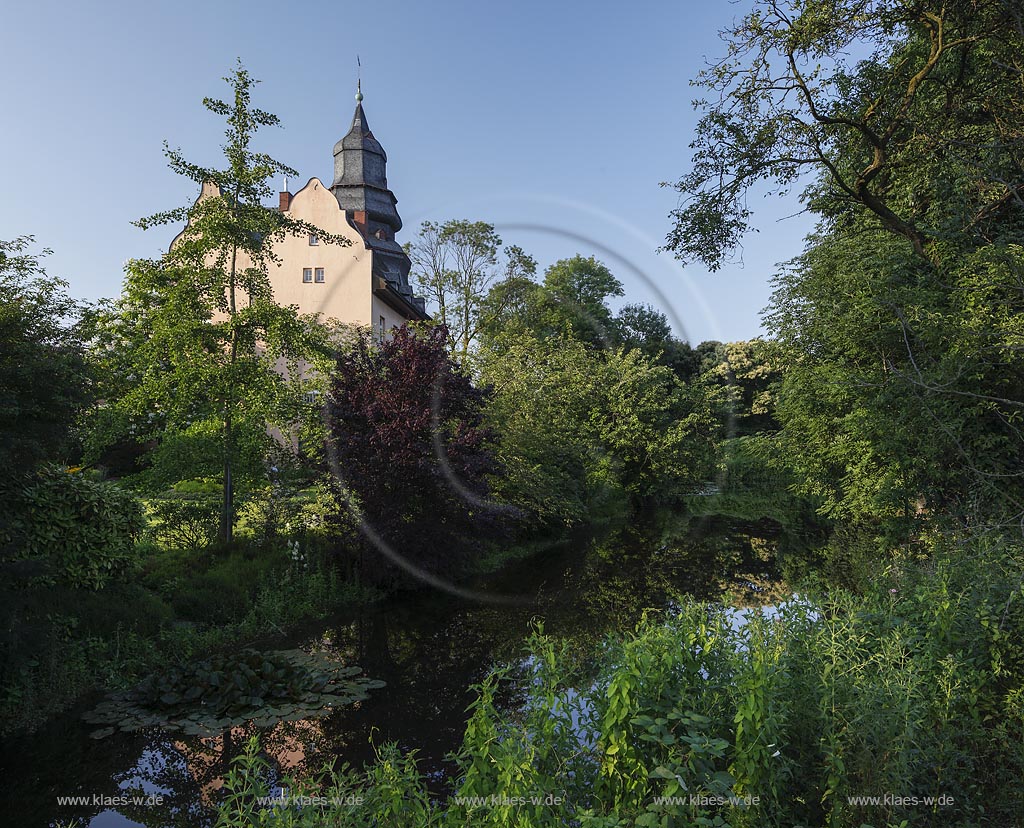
901	706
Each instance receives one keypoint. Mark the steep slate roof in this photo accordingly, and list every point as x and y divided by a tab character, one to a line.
361	186
360	174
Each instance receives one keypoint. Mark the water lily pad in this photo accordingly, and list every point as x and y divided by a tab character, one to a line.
226	691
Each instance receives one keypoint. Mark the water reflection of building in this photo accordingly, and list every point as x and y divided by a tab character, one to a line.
289	747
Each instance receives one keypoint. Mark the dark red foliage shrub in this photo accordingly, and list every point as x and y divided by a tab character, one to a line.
406	432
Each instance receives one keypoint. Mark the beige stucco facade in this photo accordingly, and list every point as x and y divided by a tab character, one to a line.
346	292
350	292
336	281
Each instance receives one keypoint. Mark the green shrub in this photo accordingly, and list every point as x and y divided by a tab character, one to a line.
212	597
185	520
62	641
58	642
164	569
125	606
83	531
853	555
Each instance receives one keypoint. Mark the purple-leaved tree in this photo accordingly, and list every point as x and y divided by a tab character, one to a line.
411	452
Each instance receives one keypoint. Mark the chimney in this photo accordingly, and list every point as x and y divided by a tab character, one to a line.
359	219
286	201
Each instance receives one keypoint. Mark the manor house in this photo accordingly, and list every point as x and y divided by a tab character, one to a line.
365	282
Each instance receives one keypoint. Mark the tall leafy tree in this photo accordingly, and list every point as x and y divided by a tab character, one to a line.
194	349
749	374
902	321
455	264
571	301
577	290
44	378
922	138
588	433
643	326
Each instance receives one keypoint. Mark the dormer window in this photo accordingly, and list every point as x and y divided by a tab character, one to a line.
314	240
307	274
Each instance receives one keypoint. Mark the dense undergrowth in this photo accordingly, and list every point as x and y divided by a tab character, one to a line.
66	642
912	689
168	595
174	595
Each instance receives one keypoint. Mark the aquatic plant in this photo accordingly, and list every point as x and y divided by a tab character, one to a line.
207	697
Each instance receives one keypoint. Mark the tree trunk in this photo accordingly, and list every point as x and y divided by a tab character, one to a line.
227	513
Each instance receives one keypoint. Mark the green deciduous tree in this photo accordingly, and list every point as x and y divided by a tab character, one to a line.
642	326
749	373
455	264
44	377
588	433
904	394
922	137
901	322
576	292
571	301
196	353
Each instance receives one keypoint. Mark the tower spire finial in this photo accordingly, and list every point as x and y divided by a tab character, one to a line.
359	80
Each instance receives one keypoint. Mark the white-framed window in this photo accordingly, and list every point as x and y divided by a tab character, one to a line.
307	274
311	397
314	240
320	275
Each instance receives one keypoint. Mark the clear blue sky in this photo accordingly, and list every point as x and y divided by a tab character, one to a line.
554	121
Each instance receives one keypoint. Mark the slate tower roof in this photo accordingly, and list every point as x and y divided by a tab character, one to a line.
360	175
361	187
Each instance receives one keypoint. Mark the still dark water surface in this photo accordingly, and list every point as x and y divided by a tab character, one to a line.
429	647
